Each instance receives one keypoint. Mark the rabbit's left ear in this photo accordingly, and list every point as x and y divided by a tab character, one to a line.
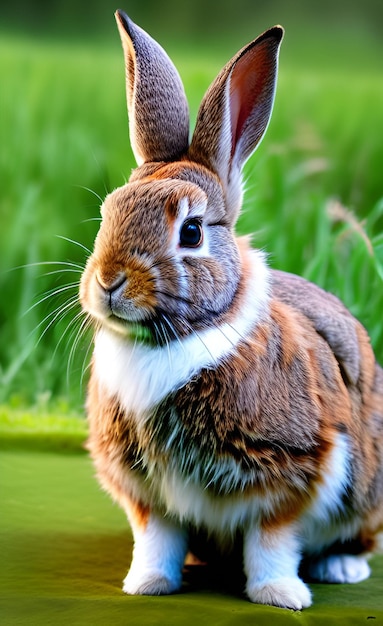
236	109
157	105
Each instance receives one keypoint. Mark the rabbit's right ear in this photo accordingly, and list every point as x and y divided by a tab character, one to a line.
235	112
157	105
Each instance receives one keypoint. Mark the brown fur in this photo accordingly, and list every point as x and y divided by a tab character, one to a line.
285	409
264	423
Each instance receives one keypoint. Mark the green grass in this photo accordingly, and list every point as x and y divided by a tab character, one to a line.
39	429
314	192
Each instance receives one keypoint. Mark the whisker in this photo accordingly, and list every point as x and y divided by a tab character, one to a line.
60	307
86	367
86	361
154	327
101	175
170	325
51	294
76	243
70	359
53	272
78	337
177	298
163	331
42	263
94	193
182	299
196	334
57	312
225	335
71	323
240	335
92	219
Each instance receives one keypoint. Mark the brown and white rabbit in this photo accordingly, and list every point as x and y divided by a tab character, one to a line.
224	397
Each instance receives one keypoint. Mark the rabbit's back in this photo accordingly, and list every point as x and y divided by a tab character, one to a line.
363	380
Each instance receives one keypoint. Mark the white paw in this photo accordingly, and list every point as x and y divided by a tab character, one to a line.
149	584
288	593
340	568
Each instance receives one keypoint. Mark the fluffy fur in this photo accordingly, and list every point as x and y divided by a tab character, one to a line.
225	400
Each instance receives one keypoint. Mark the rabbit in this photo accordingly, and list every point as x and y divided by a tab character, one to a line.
225	398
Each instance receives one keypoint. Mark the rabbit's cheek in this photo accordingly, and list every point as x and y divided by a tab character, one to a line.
139	290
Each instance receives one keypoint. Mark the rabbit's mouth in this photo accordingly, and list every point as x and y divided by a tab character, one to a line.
135	332
151	332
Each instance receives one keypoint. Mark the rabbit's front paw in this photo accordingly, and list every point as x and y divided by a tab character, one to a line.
149	584
287	593
340	568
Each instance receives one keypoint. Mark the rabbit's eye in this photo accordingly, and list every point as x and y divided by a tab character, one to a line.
191	234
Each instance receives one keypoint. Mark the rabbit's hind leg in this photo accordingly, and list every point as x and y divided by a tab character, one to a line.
340	568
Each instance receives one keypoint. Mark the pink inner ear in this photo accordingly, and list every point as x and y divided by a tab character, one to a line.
249	84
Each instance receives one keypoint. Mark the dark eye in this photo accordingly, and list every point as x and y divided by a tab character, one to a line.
191	234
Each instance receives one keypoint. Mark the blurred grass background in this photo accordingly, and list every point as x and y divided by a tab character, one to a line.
314	188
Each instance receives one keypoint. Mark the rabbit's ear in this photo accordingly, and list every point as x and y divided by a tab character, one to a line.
157	106
236	109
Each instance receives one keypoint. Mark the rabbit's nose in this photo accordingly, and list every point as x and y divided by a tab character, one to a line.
109	283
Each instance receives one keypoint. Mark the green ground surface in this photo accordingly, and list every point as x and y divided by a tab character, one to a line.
66	547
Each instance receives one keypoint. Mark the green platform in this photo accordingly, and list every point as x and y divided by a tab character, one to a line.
65	547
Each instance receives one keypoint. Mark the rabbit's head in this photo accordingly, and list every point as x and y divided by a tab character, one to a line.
166	260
